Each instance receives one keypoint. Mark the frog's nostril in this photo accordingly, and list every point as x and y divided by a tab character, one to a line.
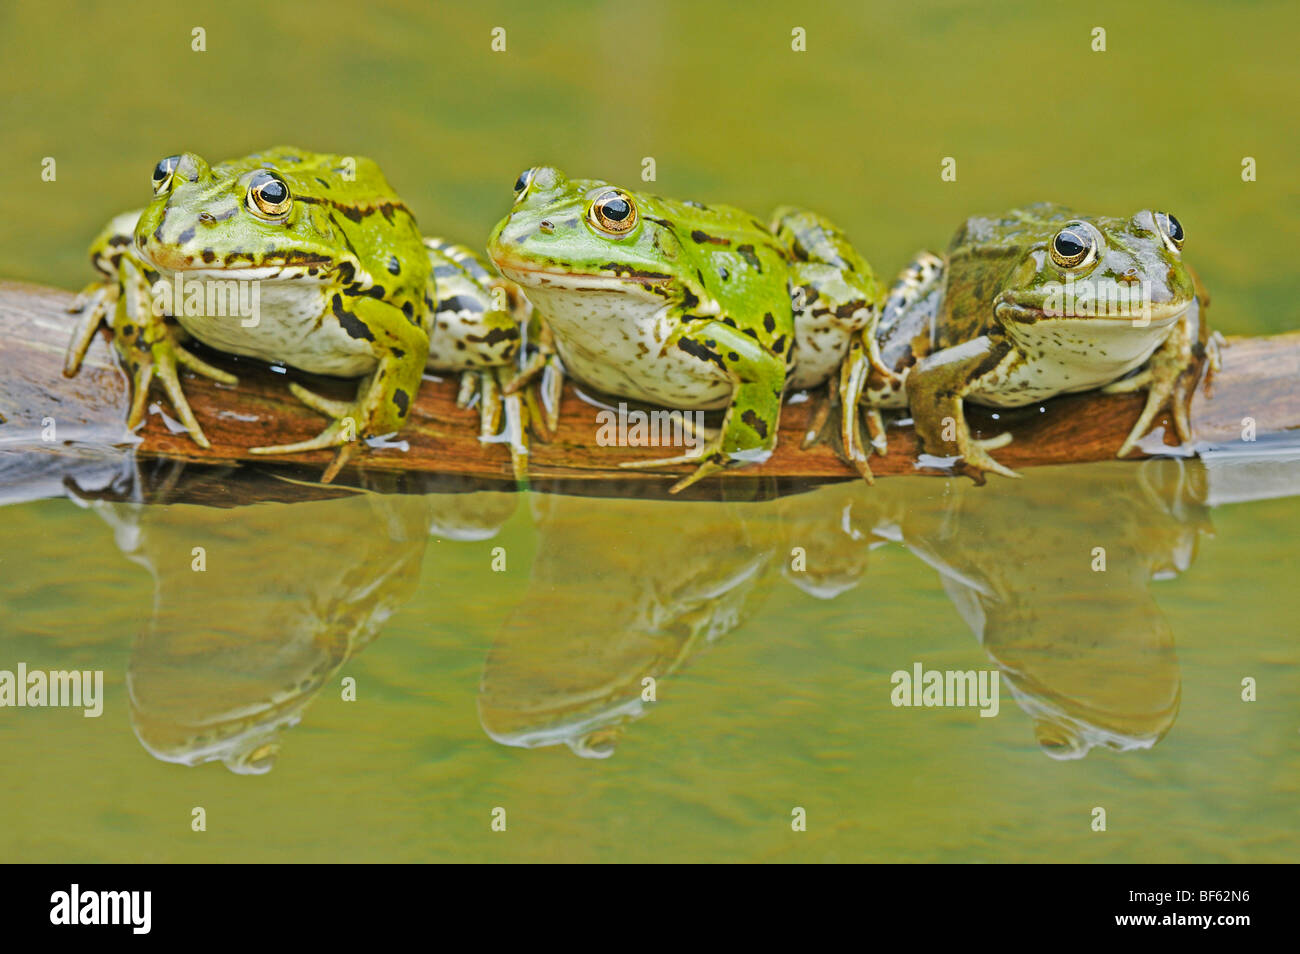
1130	274
547	226
207	218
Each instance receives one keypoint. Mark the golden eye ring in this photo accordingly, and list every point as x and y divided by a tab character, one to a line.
1075	246
1171	230
613	212
163	173
269	196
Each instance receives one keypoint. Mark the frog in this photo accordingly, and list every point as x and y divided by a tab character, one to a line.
686	305
1027	305
346	286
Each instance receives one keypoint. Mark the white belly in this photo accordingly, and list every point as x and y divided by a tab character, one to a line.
617	343
287	322
1068	356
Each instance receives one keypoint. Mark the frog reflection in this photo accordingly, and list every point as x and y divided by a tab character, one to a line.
1085	651
257	608
1069	618
608	614
251	621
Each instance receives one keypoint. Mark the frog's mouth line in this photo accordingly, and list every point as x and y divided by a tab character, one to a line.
1156	316
188	268
254	273
535	277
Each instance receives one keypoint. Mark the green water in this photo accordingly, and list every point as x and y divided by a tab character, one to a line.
773	684
771	631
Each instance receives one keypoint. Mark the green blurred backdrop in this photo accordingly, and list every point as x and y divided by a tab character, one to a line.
855	127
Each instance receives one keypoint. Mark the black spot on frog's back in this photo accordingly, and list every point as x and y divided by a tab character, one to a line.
702	237
460	303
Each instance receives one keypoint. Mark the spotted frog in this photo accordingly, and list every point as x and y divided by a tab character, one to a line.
346	286
686	305
1031	304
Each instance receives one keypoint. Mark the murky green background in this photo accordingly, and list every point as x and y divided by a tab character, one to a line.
789	706
855	127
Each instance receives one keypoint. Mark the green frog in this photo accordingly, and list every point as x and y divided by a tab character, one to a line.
1027	305
345	285
686	305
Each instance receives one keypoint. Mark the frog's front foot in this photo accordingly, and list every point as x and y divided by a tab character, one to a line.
712	457
936	392
713	461
150	349
160	363
342	433
1169	380
376	411
975	459
348	425
345	428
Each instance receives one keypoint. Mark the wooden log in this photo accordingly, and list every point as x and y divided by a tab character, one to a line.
1258	380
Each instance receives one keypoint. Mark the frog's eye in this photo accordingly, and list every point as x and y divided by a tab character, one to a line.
521	184
163	172
613	212
268	196
1074	246
1171	230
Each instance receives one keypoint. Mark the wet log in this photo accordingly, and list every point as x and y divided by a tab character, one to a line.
42	410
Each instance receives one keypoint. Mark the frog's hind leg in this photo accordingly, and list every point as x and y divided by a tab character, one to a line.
544	370
97	302
836	302
914	294
834	295
475	316
866	381
503	417
93	305
823	403
864	373
477	330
